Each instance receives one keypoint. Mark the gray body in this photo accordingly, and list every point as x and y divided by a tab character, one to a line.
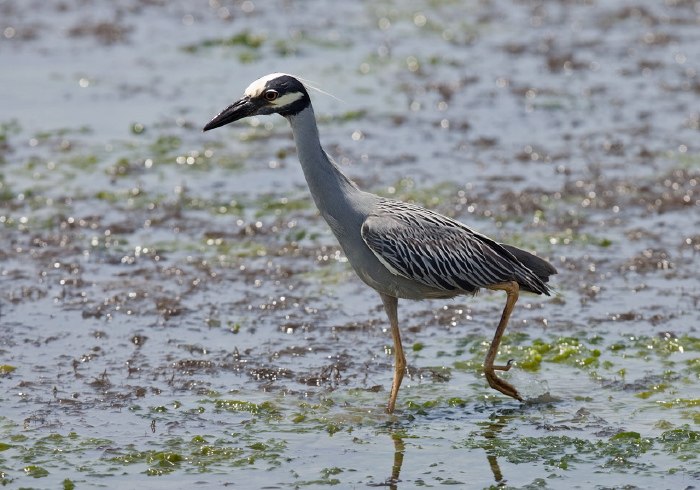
345	208
367	226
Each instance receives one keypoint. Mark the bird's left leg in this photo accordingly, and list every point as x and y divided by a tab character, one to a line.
391	306
511	289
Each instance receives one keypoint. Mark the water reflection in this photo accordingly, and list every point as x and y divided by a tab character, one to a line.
399	449
491	432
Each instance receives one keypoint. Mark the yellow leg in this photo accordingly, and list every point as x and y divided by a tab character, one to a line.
511	289
391	305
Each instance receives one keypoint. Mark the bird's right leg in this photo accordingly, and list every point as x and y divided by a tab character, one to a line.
511	289
391	306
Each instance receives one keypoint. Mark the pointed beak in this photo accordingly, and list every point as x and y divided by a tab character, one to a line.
238	110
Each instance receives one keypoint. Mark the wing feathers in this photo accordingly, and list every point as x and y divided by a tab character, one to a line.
427	247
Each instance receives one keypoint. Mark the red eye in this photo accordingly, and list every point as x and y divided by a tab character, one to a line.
271	95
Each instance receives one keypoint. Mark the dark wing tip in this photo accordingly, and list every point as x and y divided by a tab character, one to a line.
540	267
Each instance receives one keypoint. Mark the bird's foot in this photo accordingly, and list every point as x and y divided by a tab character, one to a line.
504	368
498	384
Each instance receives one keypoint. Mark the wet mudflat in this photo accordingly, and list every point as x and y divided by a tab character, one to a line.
174	313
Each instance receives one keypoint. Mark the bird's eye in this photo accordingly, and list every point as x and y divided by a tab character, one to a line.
271	95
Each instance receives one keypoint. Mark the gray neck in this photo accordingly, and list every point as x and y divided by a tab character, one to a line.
333	193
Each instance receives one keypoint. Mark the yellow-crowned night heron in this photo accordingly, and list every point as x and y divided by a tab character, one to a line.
399	249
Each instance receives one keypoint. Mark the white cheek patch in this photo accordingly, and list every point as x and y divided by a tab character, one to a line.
287	99
256	88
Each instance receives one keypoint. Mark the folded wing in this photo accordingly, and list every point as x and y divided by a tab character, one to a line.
427	247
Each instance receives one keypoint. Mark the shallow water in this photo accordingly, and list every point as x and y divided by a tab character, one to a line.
174	311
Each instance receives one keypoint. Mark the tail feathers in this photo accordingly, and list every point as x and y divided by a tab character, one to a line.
540	267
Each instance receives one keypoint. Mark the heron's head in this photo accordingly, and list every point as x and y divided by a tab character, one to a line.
272	94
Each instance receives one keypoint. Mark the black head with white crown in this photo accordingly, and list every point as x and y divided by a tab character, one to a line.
277	93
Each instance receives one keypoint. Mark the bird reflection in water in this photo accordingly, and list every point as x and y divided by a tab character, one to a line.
490	432
393	481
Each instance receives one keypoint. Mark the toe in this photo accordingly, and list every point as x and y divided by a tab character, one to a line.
503	386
